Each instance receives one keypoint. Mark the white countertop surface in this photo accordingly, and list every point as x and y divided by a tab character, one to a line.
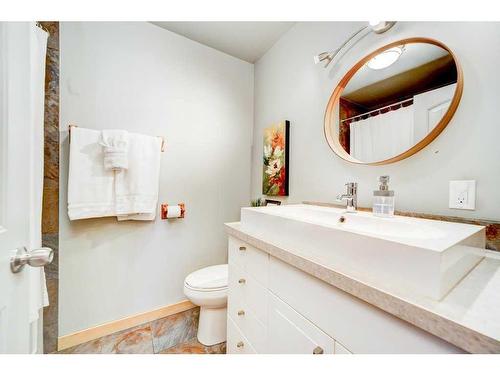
468	316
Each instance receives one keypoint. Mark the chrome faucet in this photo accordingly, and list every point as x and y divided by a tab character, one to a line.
351	196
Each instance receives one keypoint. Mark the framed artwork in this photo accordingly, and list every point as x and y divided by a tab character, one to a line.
276	159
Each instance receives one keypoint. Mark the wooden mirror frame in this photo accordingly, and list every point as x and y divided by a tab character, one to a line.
330	113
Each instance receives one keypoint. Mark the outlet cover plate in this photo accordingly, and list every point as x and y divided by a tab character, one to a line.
463	194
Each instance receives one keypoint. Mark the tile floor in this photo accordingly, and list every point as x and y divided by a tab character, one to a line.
175	334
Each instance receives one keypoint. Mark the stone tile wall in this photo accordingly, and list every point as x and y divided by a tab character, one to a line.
50	213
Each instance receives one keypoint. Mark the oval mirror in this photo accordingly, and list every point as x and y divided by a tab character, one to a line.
393	102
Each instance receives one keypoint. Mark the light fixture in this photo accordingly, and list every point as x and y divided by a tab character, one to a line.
386	58
378	27
323	56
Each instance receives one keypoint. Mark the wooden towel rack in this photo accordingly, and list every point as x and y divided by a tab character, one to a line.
163	142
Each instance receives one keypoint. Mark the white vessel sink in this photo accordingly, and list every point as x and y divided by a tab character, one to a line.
426	257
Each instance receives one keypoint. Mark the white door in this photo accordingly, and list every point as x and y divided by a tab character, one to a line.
291	333
21	165
429	108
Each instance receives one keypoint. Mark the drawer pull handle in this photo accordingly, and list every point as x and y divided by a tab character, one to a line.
240	344
242	281
242	248
318	350
241	313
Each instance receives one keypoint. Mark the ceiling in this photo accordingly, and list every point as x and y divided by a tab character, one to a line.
414	55
430	76
248	41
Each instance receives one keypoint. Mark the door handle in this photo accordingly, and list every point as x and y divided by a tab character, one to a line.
35	258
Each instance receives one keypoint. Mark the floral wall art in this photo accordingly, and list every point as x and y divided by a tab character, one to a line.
276	165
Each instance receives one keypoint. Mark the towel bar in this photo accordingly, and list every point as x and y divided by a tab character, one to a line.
163	143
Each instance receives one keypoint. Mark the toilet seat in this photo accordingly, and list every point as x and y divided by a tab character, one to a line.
208	279
206	290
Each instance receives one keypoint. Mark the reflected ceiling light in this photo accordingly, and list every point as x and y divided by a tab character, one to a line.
378	27
385	58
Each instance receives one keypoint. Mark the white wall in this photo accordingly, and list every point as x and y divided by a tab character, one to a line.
142	78
289	86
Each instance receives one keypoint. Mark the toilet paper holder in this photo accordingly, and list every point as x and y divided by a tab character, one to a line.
177	211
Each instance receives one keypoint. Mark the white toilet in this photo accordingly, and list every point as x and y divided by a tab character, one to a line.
207	288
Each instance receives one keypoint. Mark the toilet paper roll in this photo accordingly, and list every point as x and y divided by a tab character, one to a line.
173	211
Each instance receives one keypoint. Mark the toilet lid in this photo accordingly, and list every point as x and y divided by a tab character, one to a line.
214	277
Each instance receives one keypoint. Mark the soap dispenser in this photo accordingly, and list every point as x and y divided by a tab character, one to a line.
383	199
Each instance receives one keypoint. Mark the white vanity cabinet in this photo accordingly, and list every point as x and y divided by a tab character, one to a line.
291	333
275	308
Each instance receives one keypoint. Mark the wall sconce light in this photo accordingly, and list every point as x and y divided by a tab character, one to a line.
378	27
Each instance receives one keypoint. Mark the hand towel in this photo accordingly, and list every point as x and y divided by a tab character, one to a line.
115	146
90	186
136	189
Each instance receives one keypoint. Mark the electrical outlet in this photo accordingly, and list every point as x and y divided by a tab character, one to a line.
463	194
462	197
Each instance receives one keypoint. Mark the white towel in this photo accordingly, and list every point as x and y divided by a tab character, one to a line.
136	189
90	186
115	146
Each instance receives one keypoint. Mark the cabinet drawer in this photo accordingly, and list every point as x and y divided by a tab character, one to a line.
291	333
361	327
236	341
246	321
254	261
247	292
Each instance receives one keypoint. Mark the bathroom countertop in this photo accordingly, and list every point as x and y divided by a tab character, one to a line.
467	317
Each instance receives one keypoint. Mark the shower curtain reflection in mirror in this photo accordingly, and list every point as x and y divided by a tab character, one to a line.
383	136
